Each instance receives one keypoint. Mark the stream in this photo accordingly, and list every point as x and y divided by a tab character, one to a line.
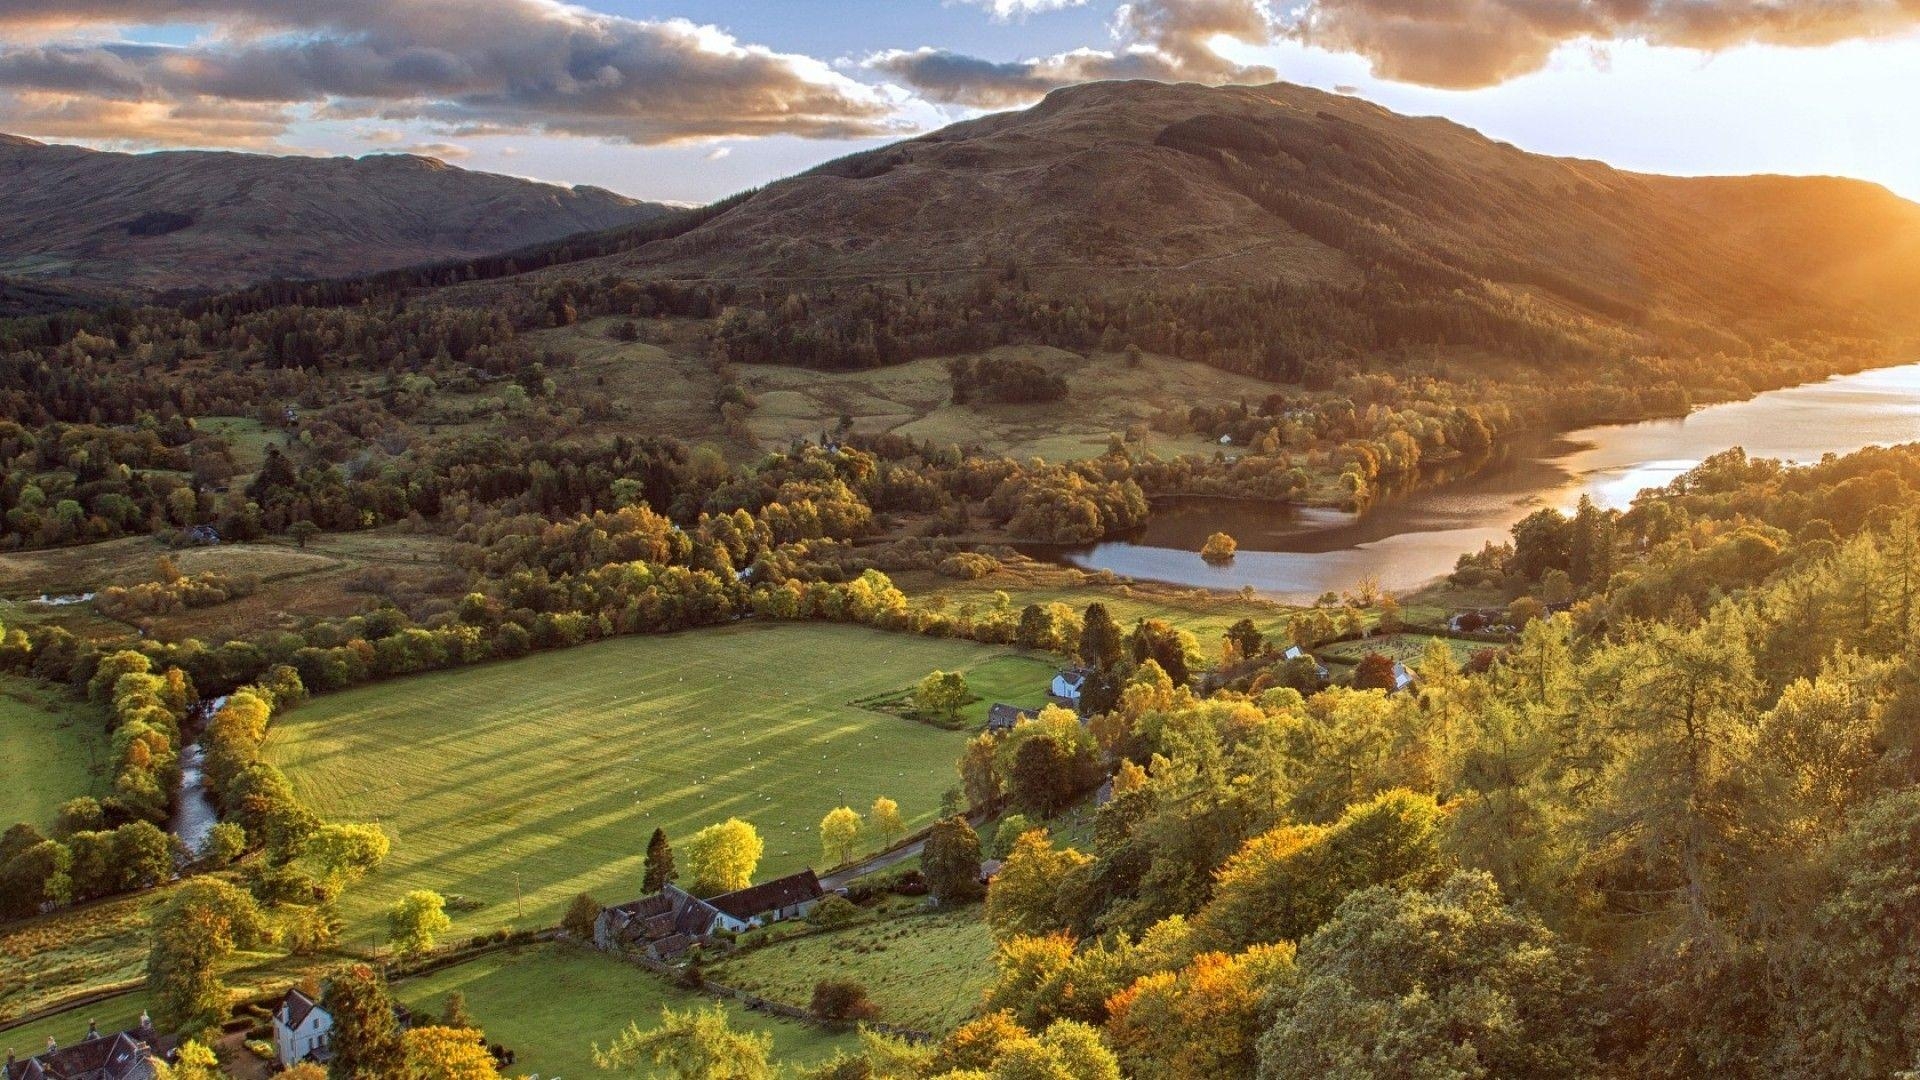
194	814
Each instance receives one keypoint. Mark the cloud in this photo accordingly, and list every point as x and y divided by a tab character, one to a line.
719	152
493	66
445	151
1466	44
1010	10
1165	40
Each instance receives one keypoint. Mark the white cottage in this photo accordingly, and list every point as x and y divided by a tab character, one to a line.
302	1030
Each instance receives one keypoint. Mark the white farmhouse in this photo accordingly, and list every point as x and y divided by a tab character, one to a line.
302	1030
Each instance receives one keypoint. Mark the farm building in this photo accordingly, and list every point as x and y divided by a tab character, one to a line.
1295	652
1067	685
671	921
1001	718
302	1030
128	1055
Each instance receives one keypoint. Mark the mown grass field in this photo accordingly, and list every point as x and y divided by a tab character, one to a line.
924	971
53	747
558	767
551	1003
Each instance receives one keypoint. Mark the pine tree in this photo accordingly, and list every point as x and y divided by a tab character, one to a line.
659	863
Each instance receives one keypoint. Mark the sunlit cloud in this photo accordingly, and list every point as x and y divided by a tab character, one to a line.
1012	10
493	66
1163	40
1466	44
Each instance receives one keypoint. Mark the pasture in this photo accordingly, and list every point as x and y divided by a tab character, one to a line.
53	747
1206	614
1406	648
551	1003
518	785
923	971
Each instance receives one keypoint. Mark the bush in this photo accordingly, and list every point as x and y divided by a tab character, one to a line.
968	566
833	911
841	1001
581	916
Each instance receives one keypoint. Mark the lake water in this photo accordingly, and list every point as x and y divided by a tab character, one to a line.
1407	540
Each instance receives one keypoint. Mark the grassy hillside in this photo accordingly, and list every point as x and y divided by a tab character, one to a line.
558	767
551	1003
52	748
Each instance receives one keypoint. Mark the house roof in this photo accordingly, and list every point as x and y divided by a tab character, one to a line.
1004	716
770	896
125	1056
296	1007
1072	676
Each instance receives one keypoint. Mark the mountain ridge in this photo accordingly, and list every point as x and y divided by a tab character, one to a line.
1105	182
104	225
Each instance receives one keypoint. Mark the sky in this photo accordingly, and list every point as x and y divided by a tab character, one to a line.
691	100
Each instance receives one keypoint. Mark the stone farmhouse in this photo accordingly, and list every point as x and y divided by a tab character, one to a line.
668	923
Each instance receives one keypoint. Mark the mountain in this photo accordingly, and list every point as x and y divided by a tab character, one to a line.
78	223
1125	183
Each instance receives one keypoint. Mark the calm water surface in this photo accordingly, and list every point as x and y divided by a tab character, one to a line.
1408	540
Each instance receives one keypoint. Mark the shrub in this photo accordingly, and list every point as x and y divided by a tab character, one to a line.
581	915
833	911
841	1001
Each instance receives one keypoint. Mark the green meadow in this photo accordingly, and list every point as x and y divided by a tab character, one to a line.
922	971
52	748
551	1003
517	785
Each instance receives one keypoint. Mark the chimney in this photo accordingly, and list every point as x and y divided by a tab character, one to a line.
51	1045
93	1029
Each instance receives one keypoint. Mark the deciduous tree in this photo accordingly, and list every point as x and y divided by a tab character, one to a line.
721	858
695	1045
417	920
840	834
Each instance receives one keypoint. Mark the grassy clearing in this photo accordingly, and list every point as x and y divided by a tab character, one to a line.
53	747
558	767
48	959
1206	614
1405	648
1105	397
551	1003
1012	680
247	437
114	1014
924	970
337	574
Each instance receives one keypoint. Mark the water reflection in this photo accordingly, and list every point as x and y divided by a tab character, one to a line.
1407	540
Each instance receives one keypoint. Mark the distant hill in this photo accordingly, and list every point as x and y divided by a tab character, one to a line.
78	223
1139	183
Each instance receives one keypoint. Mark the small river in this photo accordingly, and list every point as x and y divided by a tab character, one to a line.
1406	540
194	814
